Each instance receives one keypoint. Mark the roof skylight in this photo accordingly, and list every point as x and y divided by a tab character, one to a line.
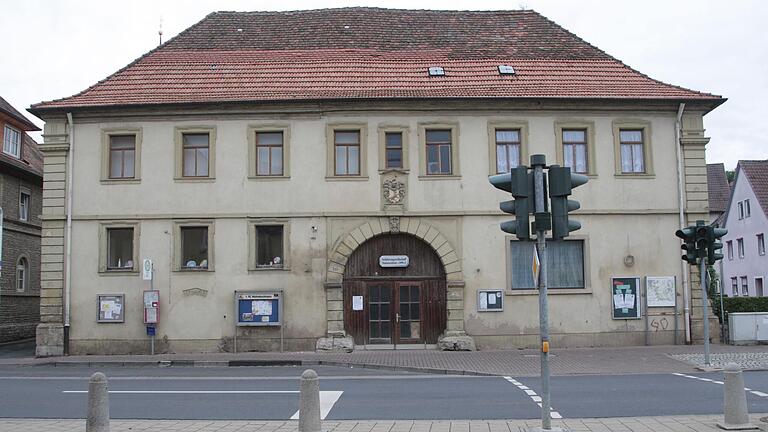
506	70
436	71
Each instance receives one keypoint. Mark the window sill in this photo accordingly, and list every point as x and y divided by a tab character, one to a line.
194	179
637	176
121	181
266	269
394	170
118	272
440	177
550	291
193	270
346	178
269	177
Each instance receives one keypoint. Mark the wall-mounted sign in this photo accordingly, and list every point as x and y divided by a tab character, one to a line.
490	300
357	303
625	292
146	269
660	291
259	308
389	261
111	308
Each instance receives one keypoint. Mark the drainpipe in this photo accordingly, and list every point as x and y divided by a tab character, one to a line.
681	204
68	257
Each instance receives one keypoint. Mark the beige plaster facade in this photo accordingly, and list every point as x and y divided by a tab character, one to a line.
328	217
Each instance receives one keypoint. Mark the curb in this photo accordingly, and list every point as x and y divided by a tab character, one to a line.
253	363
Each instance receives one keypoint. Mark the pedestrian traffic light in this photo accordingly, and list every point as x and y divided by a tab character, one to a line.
715	233
688	234
561	183
519	182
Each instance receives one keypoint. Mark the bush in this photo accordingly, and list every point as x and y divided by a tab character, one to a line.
739	304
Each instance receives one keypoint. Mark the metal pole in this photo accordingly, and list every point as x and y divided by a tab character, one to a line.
541	248
152	288
704	305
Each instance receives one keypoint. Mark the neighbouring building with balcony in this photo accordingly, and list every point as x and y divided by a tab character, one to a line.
341	158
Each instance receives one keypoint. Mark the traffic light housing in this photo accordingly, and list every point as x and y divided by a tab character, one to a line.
519	182
715	245
688	234
561	184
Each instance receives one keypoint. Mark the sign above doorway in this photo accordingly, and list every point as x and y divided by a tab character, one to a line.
389	261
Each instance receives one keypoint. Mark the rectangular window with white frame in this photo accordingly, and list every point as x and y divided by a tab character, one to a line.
118	247
565	265
393	151
12	141
744	286
269	153
122	156
735	287
740	247
195	154
740	205
747	210
631	143
575	150
24	203
507	149
729	246
761	244
439	148
347	152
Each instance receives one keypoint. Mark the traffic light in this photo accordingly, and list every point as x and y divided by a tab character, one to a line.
688	234
561	183
519	182
702	239
715	233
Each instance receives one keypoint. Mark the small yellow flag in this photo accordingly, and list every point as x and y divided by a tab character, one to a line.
535	266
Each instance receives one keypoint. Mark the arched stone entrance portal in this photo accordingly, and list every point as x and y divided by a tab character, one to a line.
404	304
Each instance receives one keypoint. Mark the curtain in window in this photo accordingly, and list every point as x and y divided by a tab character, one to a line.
565	264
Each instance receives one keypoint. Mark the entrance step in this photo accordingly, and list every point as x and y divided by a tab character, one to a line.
390	347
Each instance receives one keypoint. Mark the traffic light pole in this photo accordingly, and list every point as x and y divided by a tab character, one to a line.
704	307
541	248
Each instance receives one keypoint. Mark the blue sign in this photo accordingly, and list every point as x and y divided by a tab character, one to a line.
151	330
258	308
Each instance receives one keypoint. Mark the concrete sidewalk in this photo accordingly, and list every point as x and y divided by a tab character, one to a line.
623	424
519	363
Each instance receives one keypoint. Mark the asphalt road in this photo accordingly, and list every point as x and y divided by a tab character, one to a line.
358	394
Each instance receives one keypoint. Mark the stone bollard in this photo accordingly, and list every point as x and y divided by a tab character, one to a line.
309	402
734	400
98	404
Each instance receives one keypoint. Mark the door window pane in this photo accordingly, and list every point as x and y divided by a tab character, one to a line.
120	249
194	248
269	246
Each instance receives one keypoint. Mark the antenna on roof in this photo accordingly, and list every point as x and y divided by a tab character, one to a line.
160	31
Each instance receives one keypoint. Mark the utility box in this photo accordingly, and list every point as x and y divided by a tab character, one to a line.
748	328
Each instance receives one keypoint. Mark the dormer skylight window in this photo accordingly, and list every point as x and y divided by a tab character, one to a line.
436	71
506	70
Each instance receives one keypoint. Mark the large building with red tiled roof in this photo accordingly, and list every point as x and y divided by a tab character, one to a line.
21	186
336	161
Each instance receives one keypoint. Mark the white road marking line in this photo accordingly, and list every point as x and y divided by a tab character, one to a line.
190	391
536	398
754	392
327	400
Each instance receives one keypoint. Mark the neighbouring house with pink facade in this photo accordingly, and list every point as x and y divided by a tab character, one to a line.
745	266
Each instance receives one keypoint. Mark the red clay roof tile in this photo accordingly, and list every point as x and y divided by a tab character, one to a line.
370	53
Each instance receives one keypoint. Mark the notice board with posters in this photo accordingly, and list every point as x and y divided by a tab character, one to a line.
259	308
625	294
111	308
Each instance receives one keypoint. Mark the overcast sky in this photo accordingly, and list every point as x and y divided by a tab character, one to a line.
56	48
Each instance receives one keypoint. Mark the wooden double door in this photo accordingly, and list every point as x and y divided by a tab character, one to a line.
395	311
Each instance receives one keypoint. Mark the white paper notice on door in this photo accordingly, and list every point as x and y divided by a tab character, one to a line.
357	303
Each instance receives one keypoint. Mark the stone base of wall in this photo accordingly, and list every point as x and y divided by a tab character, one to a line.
578	340
186	346
50	340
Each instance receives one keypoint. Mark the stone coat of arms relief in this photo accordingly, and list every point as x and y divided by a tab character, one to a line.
393	192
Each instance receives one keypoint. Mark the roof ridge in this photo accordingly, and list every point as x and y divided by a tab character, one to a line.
375	8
